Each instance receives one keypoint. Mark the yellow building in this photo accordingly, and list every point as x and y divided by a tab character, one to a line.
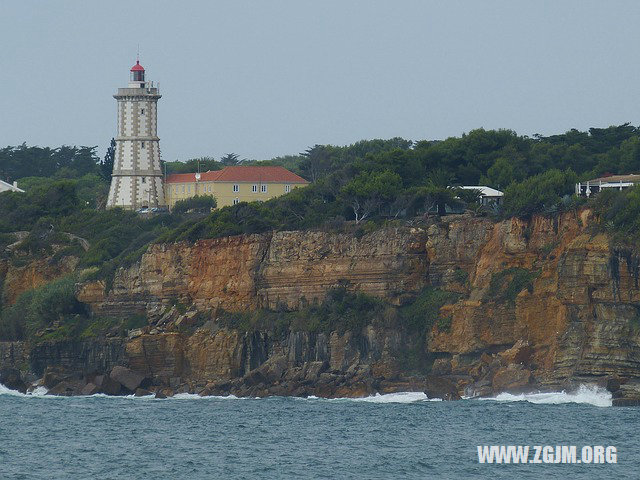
233	185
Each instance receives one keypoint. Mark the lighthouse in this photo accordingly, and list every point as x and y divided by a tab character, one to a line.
136	181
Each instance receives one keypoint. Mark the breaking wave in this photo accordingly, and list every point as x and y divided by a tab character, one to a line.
38	392
399	397
585	394
588	394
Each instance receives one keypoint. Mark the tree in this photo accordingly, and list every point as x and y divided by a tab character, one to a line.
367	191
438	192
106	165
537	193
230	159
317	162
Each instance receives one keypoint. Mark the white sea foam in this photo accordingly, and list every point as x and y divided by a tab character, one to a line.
38	392
589	394
592	395
399	397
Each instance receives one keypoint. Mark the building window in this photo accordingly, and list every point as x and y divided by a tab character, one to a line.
254	188
236	188
182	188
188	188
263	188
287	188
142	144
144	180
236	201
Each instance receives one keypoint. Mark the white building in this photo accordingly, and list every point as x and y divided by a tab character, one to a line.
619	182
137	175
7	187
488	195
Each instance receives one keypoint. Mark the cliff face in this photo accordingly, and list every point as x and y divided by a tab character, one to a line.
270	271
17	277
540	303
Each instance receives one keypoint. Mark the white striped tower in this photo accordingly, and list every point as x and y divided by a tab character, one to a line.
136	181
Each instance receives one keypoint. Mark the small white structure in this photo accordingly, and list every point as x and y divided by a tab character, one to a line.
136	181
488	195
619	182
7	187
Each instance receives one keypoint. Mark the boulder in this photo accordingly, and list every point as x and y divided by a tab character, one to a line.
626	402
90	389
613	384
314	369
127	378
481	388
253	378
274	368
141	392
52	377
11	378
107	385
65	388
513	378
439	387
165	392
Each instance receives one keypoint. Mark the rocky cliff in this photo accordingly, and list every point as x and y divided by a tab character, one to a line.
542	303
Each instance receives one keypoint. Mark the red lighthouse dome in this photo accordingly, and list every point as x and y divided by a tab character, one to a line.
137	72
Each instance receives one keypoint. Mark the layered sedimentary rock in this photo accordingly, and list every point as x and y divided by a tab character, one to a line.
542	303
284	269
18	276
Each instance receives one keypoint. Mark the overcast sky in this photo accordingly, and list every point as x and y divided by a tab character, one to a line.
264	78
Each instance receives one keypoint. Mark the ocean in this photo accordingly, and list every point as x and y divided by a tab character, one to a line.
403	435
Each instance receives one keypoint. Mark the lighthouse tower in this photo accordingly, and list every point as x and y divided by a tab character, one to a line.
136	181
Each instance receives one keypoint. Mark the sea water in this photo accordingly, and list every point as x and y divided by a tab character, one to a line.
403	435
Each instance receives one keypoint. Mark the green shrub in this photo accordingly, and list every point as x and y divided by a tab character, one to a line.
444	324
461	276
507	284
197	204
538	194
41	307
421	315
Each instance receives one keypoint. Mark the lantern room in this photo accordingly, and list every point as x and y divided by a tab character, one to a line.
137	73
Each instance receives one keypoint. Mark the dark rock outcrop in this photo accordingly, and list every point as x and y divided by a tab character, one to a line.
128	378
11	378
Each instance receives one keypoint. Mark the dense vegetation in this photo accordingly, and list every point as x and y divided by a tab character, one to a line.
368	182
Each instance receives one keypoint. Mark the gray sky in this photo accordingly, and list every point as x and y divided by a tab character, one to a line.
271	77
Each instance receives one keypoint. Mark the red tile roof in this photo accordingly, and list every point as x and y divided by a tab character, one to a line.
191	177
241	174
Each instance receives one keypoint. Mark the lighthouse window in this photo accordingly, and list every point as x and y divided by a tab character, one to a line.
142	111
144	180
142	144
